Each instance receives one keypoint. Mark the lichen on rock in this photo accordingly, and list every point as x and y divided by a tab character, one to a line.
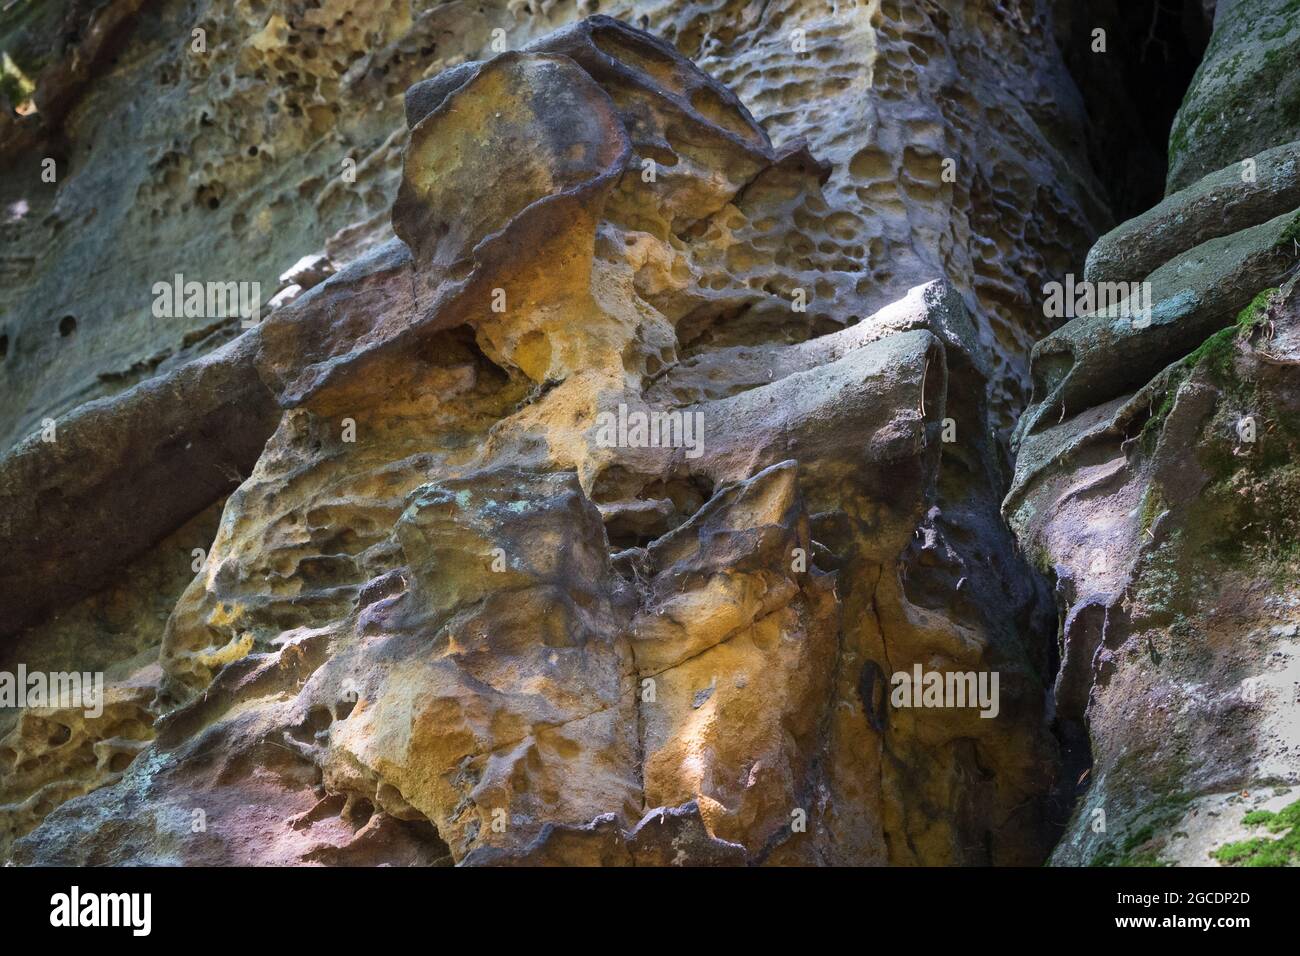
442	619
638	401
1161	492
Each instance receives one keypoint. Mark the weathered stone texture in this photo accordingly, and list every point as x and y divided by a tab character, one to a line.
442	620
1155	481
1245	98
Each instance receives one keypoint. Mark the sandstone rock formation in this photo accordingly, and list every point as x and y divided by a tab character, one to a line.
632	407
1245	97
1155	481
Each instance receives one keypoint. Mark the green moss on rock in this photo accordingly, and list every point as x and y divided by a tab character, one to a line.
1142	846
1216	354
1266	850
1225	116
1152	505
1291	234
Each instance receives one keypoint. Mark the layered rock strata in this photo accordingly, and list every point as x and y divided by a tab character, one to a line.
447	617
1155	481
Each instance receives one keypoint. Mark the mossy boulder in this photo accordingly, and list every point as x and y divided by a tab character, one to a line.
1245	96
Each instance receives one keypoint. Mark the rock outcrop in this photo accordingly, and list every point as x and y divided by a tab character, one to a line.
1155	481
630	409
459	610
1245	97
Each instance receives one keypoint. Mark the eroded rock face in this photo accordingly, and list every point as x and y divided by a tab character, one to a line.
284	137
462	610
1155	480
1245	97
